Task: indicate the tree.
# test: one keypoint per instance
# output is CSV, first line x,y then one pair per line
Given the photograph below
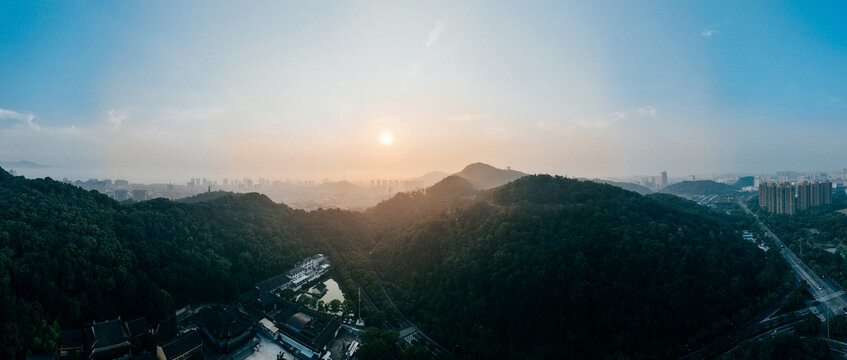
x,y
287,294
334,305
378,344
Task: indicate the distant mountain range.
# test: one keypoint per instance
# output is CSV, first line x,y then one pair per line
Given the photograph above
x,y
626,186
23,164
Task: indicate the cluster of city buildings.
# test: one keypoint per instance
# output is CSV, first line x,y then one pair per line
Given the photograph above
x,y
788,198
302,194
655,182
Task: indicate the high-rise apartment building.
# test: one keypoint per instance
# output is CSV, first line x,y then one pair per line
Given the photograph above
x,y
786,198
785,202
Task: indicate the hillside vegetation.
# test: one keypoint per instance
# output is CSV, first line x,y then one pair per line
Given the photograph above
x,y
591,270
69,256
539,267
699,187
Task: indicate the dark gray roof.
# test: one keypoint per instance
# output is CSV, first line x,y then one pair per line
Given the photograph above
x,y
226,324
181,344
307,327
249,296
108,333
272,283
138,326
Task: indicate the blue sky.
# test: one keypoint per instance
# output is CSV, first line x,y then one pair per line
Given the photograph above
x,y
169,90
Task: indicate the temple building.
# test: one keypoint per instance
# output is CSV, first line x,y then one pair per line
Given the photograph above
x,y
107,340
304,331
228,330
181,347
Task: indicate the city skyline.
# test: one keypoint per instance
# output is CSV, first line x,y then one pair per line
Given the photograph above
x,y
158,91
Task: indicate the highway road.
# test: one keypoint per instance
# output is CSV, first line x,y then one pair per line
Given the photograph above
x,y
826,292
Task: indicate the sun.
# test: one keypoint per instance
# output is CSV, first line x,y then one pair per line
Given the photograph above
x,y
386,138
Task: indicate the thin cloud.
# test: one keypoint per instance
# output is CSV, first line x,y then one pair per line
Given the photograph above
x,y
708,33
116,118
15,118
434,34
465,118
598,123
647,111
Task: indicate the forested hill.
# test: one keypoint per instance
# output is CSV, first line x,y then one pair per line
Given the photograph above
x,y
539,267
484,176
699,187
69,256
405,209
745,181
560,266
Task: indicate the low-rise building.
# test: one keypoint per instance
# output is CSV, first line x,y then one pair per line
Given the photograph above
x,y
71,342
180,347
309,269
228,330
305,331
137,328
269,328
107,340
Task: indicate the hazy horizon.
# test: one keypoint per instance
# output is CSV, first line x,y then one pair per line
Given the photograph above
x,y
162,91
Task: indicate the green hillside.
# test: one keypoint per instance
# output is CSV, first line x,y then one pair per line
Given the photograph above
x,y
699,187
69,256
559,266
533,269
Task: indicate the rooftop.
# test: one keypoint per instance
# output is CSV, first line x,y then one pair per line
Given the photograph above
x,y
181,344
299,321
226,324
108,333
138,326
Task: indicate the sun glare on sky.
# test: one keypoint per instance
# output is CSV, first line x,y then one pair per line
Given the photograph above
x,y
386,138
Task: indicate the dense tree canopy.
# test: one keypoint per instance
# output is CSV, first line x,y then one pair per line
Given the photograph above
x,y
68,256
536,268
579,268
699,187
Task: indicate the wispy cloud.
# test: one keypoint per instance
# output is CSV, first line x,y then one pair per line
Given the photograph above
x,y
708,33
434,34
15,119
116,118
599,123
465,118
648,110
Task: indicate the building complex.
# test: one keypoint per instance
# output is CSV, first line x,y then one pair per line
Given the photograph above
x,y
787,198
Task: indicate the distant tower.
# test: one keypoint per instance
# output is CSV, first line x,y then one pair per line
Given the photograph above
x,y
664,181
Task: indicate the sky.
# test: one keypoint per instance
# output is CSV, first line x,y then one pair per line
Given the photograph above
x,y
166,91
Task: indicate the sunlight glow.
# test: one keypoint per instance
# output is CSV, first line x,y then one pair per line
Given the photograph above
x,y
386,138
